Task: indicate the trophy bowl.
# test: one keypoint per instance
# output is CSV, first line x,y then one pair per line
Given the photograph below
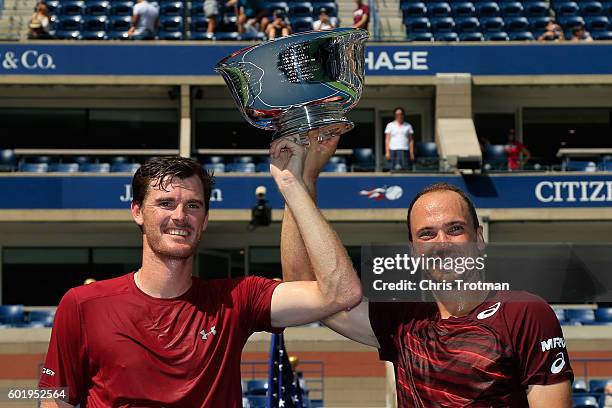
x,y
296,84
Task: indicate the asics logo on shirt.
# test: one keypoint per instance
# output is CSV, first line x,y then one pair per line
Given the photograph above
x,y
488,312
205,334
558,364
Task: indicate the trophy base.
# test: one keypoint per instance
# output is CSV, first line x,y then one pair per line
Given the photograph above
x,y
328,120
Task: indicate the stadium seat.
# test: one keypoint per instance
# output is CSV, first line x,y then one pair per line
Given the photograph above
x,y
471,37
40,159
521,36
171,24
597,386
446,37
169,35
414,10
199,24
580,315
243,159
120,23
579,387
54,6
538,24
566,9
597,23
256,401
426,154
602,35
272,6
511,9
420,37
233,36
467,24
570,22
330,6
93,35
44,317
214,167
438,9
171,8
8,160
78,159
301,24
536,9
213,159
117,35
300,9
442,24
95,168
487,9
11,314
262,168
256,387
560,313
121,8
603,314
335,168
418,25
34,167
337,159
125,167
516,24
97,7
463,9
73,8
252,36
95,23
579,165
64,167
197,9
590,8
69,23
240,167
495,155
363,159
492,24
584,401
607,8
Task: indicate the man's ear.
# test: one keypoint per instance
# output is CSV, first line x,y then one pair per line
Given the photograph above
x,y
205,223
480,241
136,209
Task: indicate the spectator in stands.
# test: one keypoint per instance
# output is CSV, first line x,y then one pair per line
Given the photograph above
x,y
361,15
579,34
399,143
553,32
211,11
325,22
279,27
145,21
514,150
40,22
607,402
250,13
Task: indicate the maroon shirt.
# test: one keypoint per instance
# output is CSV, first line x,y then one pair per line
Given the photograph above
x,y
113,345
359,12
484,359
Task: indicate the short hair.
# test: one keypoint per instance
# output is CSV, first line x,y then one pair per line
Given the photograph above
x,y
399,108
162,170
432,188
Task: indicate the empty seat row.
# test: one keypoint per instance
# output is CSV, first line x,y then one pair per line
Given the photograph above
x,y
76,167
302,8
470,9
16,316
601,315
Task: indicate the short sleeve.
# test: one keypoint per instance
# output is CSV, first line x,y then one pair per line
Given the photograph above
x,y
66,358
540,346
388,128
410,130
383,319
255,294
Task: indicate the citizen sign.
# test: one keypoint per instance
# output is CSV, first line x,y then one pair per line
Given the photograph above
x,y
573,191
29,59
397,61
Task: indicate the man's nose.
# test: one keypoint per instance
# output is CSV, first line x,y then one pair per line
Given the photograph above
x,y
179,213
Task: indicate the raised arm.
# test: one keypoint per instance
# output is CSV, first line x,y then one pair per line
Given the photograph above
x,y
354,324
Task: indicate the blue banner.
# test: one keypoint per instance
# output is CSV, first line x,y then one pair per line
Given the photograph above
x,y
190,59
335,192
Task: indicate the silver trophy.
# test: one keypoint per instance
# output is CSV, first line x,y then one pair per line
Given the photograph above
x,y
299,83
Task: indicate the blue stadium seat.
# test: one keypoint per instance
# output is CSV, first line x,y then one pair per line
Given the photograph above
x,y
417,36
427,150
54,6
272,6
95,168
233,36
97,7
64,167
125,167
584,401
495,155
34,167
560,313
580,315
602,35
597,386
257,401
78,159
171,24
8,160
579,165
335,168
579,387
487,9
171,8
301,24
463,9
262,168
467,24
197,9
199,24
566,8
117,35
418,25
337,159
45,317
538,24
11,314
121,8
446,36
213,159
607,8
590,8
515,24
521,36
536,9
95,23
330,6
363,159
471,37
597,23
119,160
492,24
442,24
120,23
605,165
40,159
603,314
69,23
511,9
252,36
300,9
438,9
93,35
243,159
241,167
414,10
73,8
214,167
169,35
568,23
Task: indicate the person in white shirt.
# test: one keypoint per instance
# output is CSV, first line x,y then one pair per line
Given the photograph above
x,y
325,22
399,143
145,21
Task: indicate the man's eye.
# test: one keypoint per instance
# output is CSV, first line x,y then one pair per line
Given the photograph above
x,y
426,234
164,204
455,229
194,205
